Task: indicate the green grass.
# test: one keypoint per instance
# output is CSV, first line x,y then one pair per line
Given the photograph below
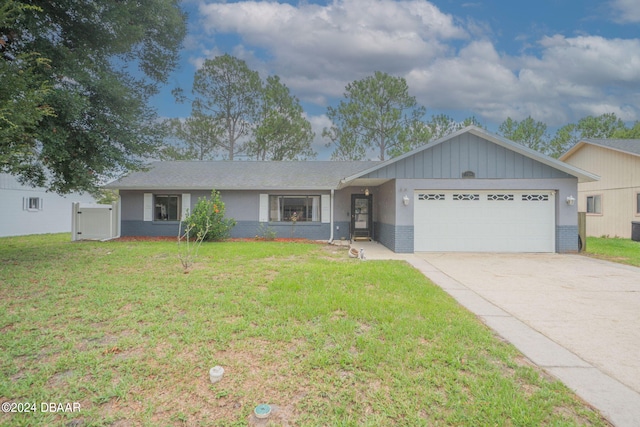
x,y
328,340
625,251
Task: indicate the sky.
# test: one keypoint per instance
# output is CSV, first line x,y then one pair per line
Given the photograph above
x,y
554,60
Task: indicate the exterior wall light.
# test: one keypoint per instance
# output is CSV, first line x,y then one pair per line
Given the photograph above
x,y
571,200
366,192
405,200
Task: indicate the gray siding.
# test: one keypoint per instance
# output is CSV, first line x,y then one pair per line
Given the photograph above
x,y
467,152
243,206
397,238
567,238
243,229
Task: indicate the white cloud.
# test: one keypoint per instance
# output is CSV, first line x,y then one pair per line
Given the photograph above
x,y
626,11
342,41
449,64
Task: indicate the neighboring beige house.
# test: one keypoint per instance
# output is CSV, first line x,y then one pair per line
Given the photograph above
x,y
613,202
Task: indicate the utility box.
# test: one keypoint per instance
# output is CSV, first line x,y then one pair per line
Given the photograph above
x,y
635,231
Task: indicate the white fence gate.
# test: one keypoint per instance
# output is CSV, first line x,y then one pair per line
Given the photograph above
x,y
95,222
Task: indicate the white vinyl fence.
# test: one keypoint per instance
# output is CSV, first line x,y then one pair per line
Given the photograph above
x,y
95,222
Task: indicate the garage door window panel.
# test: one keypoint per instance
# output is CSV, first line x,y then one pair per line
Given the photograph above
x,y
500,197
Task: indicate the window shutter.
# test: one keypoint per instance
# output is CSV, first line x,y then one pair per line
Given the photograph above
x,y
186,205
325,205
41,204
264,208
25,202
148,207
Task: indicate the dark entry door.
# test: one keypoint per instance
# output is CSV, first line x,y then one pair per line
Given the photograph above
x,y
361,216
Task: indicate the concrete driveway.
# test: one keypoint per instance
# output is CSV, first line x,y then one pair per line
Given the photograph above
x,y
576,317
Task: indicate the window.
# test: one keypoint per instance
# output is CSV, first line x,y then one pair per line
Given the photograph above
x,y
638,203
594,204
294,208
32,204
166,208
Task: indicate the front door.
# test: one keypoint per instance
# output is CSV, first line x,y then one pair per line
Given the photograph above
x,y
361,216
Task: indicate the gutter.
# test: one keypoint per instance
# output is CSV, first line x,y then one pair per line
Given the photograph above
x,y
331,214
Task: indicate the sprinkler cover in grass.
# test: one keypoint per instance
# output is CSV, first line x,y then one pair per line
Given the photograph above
x,y
262,411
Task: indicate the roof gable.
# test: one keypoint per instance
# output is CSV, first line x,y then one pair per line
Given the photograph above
x,y
627,146
476,150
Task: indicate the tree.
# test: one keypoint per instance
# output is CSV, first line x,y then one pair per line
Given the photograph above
x,y
378,114
600,127
528,132
227,95
233,112
565,138
628,133
282,131
442,125
200,135
88,70
22,97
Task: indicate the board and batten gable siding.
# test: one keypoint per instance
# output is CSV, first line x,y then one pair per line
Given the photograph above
x,y
467,152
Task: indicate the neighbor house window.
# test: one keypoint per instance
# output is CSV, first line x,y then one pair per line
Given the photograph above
x,y
32,204
294,208
166,208
594,204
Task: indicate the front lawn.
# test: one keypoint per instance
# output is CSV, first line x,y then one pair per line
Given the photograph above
x,y
118,328
625,251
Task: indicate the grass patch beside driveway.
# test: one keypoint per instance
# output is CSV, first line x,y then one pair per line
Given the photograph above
x,y
624,251
328,340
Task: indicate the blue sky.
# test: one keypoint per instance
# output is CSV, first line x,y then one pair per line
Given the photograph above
x,y
556,60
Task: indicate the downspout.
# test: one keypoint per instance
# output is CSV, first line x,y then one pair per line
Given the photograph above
x,y
331,215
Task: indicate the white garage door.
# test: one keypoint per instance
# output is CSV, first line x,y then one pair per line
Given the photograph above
x,y
484,221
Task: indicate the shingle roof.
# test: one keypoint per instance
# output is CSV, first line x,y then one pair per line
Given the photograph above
x,y
631,146
240,175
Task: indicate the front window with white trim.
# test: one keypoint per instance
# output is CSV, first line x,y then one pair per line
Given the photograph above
x,y
294,208
166,207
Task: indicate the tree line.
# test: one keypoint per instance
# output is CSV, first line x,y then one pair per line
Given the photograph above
x,y
77,78
234,114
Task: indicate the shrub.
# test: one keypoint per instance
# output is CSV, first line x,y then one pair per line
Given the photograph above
x,y
207,219
267,233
